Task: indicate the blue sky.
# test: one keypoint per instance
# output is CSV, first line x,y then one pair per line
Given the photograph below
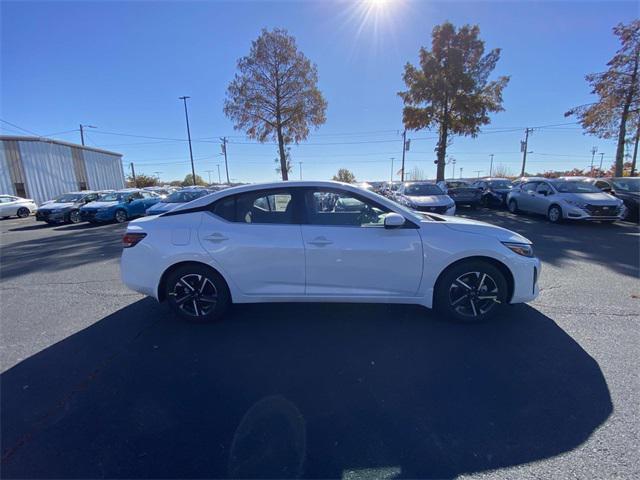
x,y
121,66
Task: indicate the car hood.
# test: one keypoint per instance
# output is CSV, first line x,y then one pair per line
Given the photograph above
x,y
428,199
54,205
481,228
596,198
102,204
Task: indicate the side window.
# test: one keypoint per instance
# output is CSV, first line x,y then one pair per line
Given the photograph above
x,y
530,187
274,207
543,189
602,185
327,207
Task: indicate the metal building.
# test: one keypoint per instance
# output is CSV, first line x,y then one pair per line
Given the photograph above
x,y
41,168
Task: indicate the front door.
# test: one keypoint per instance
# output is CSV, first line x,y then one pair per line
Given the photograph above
x,y
255,238
350,253
527,199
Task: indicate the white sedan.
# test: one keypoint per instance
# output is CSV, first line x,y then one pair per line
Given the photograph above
x,y
323,242
11,206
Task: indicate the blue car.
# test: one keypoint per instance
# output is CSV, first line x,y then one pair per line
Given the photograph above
x,y
118,206
176,198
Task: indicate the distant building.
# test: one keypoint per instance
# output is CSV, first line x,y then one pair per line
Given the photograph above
x,y
41,168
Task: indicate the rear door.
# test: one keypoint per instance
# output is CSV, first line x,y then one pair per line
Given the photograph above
x,y
543,198
255,238
350,253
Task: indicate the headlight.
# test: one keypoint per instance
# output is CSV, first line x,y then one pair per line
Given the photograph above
x,y
524,249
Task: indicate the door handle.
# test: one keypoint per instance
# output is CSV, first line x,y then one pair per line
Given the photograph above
x,y
320,242
216,237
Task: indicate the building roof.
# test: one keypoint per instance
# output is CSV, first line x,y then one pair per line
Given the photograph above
x,y
57,142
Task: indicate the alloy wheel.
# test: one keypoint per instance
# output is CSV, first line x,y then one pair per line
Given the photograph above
x,y
473,294
195,295
74,217
23,213
121,216
554,214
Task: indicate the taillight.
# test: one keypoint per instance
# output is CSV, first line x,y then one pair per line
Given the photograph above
x,y
132,239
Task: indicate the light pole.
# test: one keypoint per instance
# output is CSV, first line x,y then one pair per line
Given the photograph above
x,y
491,165
186,116
460,173
601,157
392,159
594,150
219,179
300,163
209,173
478,172
82,127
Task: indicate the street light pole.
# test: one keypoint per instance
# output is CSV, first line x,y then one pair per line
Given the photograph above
x,y
186,116
594,150
601,157
82,127
219,179
392,158
491,166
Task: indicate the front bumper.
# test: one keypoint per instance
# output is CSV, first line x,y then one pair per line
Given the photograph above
x,y
49,216
571,212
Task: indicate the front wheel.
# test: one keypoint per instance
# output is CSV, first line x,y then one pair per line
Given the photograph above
x,y
23,212
74,216
554,214
471,291
196,293
512,206
121,216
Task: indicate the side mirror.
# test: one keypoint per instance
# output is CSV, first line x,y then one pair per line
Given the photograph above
x,y
393,220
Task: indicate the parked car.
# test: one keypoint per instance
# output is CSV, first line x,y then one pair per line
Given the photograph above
x,y
389,189
461,192
65,208
494,191
162,192
626,189
229,247
425,197
565,200
118,206
176,198
12,206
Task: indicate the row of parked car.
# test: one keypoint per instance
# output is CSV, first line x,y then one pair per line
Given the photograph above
x,y
565,198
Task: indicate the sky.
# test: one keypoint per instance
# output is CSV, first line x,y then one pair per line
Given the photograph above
x,y
121,66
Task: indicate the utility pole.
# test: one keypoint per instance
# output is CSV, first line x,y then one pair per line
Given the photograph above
x,y
601,157
392,159
453,168
478,172
404,149
186,116
460,173
300,163
219,179
594,150
491,165
224,151
209,172
524,145
133,173
82,127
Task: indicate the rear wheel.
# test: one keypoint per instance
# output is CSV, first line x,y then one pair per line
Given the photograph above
x,y
196,293
23,212
121,216
74,216
471,291
512,206
554,214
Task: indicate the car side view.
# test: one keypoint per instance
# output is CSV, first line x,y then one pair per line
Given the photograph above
x,y
118,206
65,208
289,242
12,206
565,199
626,189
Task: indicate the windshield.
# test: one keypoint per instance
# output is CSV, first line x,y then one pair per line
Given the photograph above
x,y
500,184
420,189
183,197
627,184
576,187
68,198
112,197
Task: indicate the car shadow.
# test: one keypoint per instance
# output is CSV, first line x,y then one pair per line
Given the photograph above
x,y
611,245
312,390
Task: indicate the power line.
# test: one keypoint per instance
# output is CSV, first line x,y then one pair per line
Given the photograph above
x,y
20,128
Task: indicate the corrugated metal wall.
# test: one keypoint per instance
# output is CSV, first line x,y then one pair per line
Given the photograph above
x,y
47,169
103,171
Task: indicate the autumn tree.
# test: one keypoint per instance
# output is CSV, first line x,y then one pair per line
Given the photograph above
x,y
618,95
188,181
345,176
141,181
274,95
450,88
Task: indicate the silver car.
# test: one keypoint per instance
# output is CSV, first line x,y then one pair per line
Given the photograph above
x,y
565,199
425,197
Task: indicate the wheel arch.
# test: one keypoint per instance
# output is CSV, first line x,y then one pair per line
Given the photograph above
x,y
163,278
508,276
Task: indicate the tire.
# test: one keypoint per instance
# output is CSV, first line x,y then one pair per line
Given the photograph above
x,y
23,212
197,293
470,291
512,206
554,214
121,216
74,216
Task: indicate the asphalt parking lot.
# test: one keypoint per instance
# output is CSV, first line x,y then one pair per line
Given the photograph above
x,y
98,381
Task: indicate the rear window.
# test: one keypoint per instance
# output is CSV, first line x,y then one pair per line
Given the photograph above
x,y
256,207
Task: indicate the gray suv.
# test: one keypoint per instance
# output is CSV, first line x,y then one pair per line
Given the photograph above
x,y
565,200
